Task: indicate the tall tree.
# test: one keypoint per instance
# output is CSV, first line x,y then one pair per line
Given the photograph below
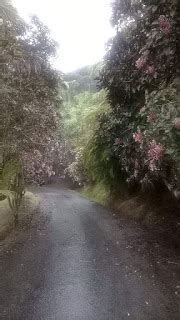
x,y
29,94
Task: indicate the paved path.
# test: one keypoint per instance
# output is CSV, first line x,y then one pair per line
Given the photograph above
x,y
78,261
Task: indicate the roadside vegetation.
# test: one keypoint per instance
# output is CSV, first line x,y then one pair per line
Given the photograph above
x,y
28,207
126,135
113,128
30,102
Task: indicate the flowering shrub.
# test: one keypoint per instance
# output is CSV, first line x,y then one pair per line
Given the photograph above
x,y
164,24
29,95
155,154
75,170
141,62
138,137
37,168
141,78
42,164
163,107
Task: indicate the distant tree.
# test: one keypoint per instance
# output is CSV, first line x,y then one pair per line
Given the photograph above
x,y
84,79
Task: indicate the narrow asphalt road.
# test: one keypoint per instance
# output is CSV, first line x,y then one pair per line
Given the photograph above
x,y
78,261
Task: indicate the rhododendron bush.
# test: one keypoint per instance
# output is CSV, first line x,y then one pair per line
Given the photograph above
x,y
141,77
160,119
30,127
75,170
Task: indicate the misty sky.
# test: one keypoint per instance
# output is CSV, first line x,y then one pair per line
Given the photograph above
x,y
81,27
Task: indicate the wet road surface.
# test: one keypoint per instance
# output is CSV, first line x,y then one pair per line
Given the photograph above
x,y
78,261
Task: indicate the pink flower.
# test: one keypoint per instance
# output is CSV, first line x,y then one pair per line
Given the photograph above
x,y
118,141
155,153
152,117
164,24
143,109
155,150
150,70
177,123
138,137
140,63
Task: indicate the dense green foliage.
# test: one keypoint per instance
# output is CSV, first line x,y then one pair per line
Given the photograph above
x,y
82,80
141,78
29,94
82,108
120,120
137,140
81,114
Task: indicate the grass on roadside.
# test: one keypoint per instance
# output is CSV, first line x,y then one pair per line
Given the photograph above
x,y
29,203
98,193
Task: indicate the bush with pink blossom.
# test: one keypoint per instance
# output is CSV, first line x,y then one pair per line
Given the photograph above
x,y
141,78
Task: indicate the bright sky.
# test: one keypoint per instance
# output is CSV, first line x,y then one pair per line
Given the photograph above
x,y
81,27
